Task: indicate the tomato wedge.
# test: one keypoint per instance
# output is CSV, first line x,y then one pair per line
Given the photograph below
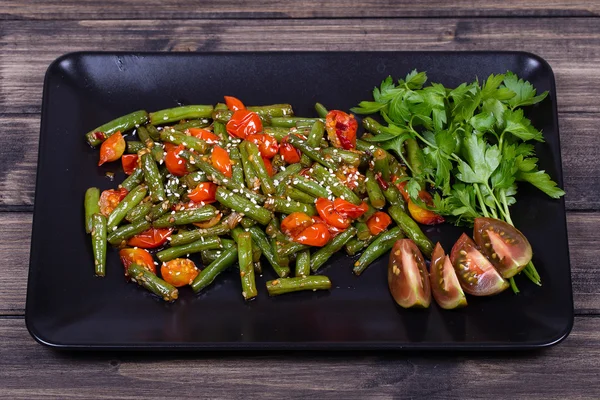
x,y
137,256
295,223
204,134
475,273
204,192
234,104
330,216
407,275
290,154
378,222
151,238
341,129
110,198
347,209
112,148
267,144
445,286
315,235
244,123
175,164
221,161
503,244
129,162
179,272
420,214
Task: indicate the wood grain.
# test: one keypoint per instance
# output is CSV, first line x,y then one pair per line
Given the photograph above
x,y
180,9
28,47
568,370
583,239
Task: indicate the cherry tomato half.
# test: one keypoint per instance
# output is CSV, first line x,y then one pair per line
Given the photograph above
x,y
290,154
234,104
137,256
221,161
112,148
420,214
151,238
378,222
179,272
267,144
175,164
347,209
315,235
341,129
329,215
129,162
204,192
295,223
205,135
244,123
109,199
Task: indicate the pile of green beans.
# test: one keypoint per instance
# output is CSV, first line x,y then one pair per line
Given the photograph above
x,y
242,225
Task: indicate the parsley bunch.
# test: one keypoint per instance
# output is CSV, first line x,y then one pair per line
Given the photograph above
x,y
476,143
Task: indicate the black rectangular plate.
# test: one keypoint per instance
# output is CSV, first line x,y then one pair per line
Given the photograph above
x,y
67,307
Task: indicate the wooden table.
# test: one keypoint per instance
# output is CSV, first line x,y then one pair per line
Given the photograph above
x,y
566,33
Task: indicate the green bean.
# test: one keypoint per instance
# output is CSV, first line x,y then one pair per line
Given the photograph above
x,y
363,232
320,174
190,142
414,156
289,171
186,237
303,263
185,217
221,115
237,170
277,132
382,165
158,152
133,146
173,189
133,180
121,124
243,205
153,132
411,230
247,222
221,106
216,176
246,268
158,210
355,245
343,156
321,256
227,243
205,243
370,211
220,130
292,248
374,191
153,283
382,244
139,211
98,232
209,256
208,274
259,237
194,123
178,113
125,232
314,153
257,267
393,196
193,179
252,180
290,122
144,136
289,285
287,207
256,251
321,110
91,206
272,110
273,230
299,195
316,134
281,260
153,178
258,164
372,126
309,186
133,198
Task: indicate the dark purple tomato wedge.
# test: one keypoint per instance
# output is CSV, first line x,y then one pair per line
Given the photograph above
x,y
407,275
445,286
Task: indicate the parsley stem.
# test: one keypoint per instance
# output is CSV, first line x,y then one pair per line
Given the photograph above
x,y
501,209
506,210
513,285
481,202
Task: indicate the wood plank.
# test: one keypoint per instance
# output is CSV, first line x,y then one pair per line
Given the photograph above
x,y
583,243
180,9
29,370
579,139
28,47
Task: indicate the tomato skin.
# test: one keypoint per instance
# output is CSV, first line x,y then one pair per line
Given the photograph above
x,y
204,192
110,198
234,104
315,235
445,286
420,214
138,256
503,244
290,154
179,272
378,222
112,148
347,209
129,162
244,123
408,279
268,166
221,161
330,216
267,144
175,164
295,223
204,134
341,129
151,238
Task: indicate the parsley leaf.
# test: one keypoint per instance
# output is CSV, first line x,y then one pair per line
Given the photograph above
x,y
525,93
520,126
542,181
481,160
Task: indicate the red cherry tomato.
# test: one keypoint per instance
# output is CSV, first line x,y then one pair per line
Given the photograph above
x,y
329,215
109,199
244,123
137,256
347,209
179,272
174,163
112,148
290,154
205,135
268,166
267,145
221,161
204,192
295,223
234,103
378,222
315,235
341,129
129,162
151,238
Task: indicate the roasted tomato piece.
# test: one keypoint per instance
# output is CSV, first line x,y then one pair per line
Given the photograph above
x,y
378,222
244,123
204,134
350,176
341,129
234,104
110,198
330,216
295,223
205,192
221,161
290,154
347,209
175,164
503,244
267,144
268,166
137,256
475,273
445,286
317,235
420,214
407,275
129,162
179,272
151,238
112,148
